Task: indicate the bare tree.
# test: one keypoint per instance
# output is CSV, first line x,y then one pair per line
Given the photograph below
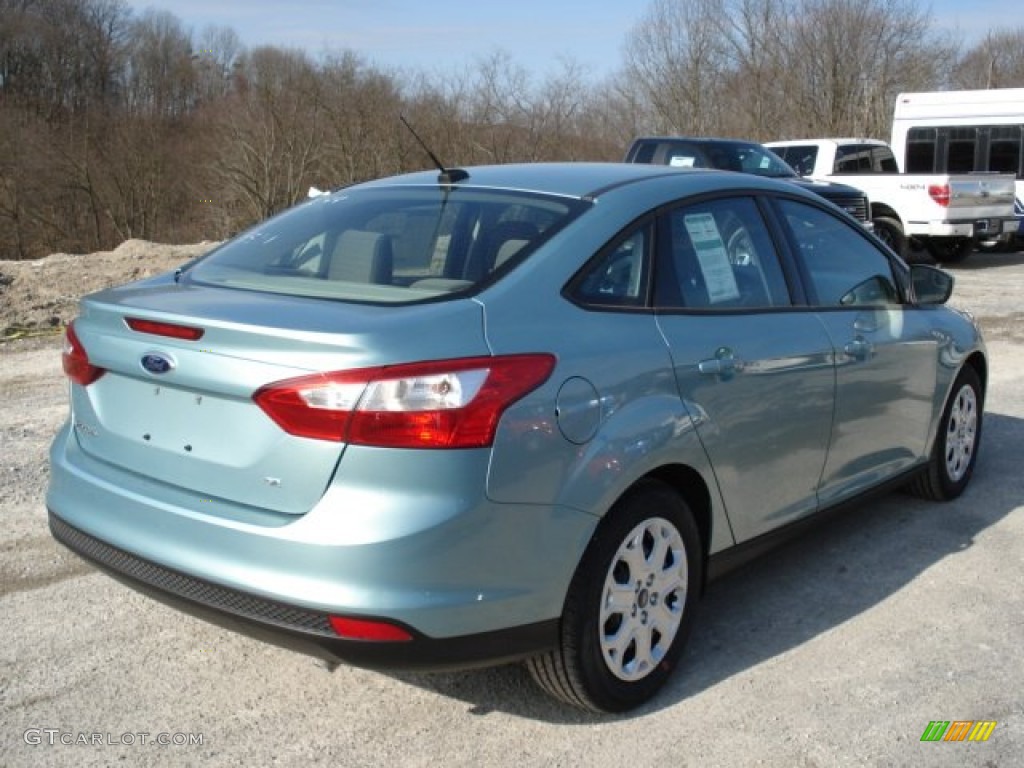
x,y
848,59
271,133
995,62
675,57
500,109
116,125
360,106
160,78
216,56
616,112
754,32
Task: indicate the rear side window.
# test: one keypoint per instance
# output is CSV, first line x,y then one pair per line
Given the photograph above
x,y
388,244
883,160
853,159
865,158
1004,149
921,150
961,150
800,156
619,276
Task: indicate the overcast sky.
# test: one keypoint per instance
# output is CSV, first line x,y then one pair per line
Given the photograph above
x,y
444,34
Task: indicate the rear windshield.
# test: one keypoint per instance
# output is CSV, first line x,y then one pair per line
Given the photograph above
x,y
388,244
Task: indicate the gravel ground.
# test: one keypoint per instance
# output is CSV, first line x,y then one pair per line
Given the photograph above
x,y
836,650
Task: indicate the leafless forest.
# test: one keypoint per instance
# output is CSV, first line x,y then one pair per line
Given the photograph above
x,y
117,125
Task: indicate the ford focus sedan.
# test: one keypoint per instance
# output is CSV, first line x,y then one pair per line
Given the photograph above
x,y
517,412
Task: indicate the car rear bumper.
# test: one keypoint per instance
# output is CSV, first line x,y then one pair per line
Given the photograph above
x,y
471,580
974,228
300,629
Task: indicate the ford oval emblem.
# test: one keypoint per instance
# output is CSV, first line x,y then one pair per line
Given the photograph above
x,y
156,363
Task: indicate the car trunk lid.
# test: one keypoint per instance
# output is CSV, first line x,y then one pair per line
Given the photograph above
x,y
181,411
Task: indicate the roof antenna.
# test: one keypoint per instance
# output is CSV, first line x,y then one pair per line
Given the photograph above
x,y
447,175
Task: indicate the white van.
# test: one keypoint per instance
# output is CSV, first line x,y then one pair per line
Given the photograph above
x,y
962,132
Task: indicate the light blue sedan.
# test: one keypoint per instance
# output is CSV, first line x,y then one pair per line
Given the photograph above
x,y
516,412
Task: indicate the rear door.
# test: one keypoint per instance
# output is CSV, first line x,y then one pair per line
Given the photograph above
x,y
754,370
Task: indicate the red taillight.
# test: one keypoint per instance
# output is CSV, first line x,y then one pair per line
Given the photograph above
x,y
363,629
76,361
940,194
441,404
172,330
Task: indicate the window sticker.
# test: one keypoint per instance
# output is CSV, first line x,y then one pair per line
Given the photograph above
x,y
679,161
713,259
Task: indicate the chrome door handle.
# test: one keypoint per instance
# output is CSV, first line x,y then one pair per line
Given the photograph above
x,y
715,367
859,349
723,364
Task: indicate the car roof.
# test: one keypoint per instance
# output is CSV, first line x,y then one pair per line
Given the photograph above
x,y
576,180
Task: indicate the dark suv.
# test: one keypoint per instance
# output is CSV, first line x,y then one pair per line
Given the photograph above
x,y
744,157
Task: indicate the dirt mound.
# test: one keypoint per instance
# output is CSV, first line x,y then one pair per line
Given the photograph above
x,y
36,296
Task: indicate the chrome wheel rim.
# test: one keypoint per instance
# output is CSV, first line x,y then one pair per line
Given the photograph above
x,y
643,599
961,433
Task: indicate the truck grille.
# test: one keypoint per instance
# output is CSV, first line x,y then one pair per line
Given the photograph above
x,y
855,206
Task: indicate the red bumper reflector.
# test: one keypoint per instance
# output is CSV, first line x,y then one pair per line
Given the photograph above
x,y
364,629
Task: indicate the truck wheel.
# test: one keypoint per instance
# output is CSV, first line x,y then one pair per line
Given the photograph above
x,y
949,250
890,232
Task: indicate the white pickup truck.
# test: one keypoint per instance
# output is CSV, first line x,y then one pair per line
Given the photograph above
x,y
948,214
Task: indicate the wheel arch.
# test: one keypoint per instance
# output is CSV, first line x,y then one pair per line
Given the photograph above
x,y
880,210
690,485
979,363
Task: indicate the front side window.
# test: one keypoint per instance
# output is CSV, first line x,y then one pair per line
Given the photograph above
x,y
720,256
388,244
844,268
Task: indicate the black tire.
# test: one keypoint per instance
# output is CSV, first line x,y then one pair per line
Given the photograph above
x,y
890,232
949,250
957,440
657,597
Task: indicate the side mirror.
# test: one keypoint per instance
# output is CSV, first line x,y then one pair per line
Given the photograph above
x,y
931,285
